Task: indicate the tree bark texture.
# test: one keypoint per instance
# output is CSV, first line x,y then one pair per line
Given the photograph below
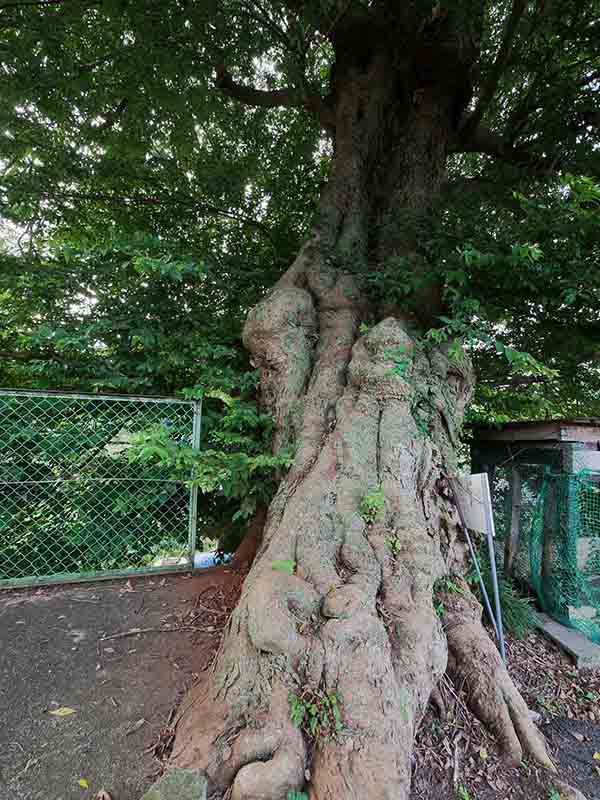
x,y
339,602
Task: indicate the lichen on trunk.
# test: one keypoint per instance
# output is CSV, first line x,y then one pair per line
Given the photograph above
x,y
332,654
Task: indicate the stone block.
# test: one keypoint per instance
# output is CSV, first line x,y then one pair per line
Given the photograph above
x,y
585,652
178,784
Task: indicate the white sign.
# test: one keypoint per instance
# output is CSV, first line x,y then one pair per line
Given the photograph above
x,y
473,497
586,459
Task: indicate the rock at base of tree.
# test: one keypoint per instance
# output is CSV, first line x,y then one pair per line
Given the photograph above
x,y
178,784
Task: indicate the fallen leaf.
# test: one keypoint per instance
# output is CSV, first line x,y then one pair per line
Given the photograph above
x,y
579,736
135,727
483,754
596,756
63,711
83,783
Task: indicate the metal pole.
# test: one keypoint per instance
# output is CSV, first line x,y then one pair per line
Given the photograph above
x,y
490,534
193,524
463,524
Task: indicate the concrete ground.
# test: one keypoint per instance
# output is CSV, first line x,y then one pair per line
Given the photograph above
x,y
122,689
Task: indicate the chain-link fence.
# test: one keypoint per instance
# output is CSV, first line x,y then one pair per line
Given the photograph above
x,y
74,504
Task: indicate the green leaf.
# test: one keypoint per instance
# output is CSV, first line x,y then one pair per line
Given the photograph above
x,y
285,565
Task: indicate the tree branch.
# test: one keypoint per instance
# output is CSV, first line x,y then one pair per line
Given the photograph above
x,y
39,3
515,381
111,117
153,200
25,356
324,21
276,98
489,87
482,188
256,97
485,141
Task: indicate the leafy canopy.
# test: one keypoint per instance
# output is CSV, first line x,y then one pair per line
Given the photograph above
x,y
160,163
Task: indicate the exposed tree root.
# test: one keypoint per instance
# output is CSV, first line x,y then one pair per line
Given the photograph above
x,y
475,665
356,618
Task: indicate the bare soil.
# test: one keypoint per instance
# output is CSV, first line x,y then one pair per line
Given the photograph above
x,y
56,651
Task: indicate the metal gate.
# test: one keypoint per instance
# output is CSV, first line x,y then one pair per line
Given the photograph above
x,y
74,505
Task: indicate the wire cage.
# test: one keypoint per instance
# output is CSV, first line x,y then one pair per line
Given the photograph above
x,y
564,545
558,550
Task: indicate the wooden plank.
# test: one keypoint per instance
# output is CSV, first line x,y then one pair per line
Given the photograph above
x,y
580,433
553,430
544,431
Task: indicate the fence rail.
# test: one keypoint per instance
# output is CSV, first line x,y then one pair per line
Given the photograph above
x,y
74,505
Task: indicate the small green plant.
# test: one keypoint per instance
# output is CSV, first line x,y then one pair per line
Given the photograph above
x,y
402,358
372,505
462,793
443,586
287,565
583,694
317,712
394,544
518,614
448,584
421,410
554,794
548,705
421,421
293,794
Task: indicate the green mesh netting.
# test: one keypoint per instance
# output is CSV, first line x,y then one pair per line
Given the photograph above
x,y
563,547
532,477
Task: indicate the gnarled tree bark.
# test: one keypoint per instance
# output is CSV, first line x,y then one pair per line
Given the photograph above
x,y
356,617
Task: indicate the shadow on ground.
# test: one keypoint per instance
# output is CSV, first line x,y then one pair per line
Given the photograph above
x,y
121,689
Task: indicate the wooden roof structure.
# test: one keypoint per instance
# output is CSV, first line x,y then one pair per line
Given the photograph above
x,y
565,444
579,429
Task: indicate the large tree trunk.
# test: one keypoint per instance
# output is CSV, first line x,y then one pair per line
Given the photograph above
x,y
338,607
